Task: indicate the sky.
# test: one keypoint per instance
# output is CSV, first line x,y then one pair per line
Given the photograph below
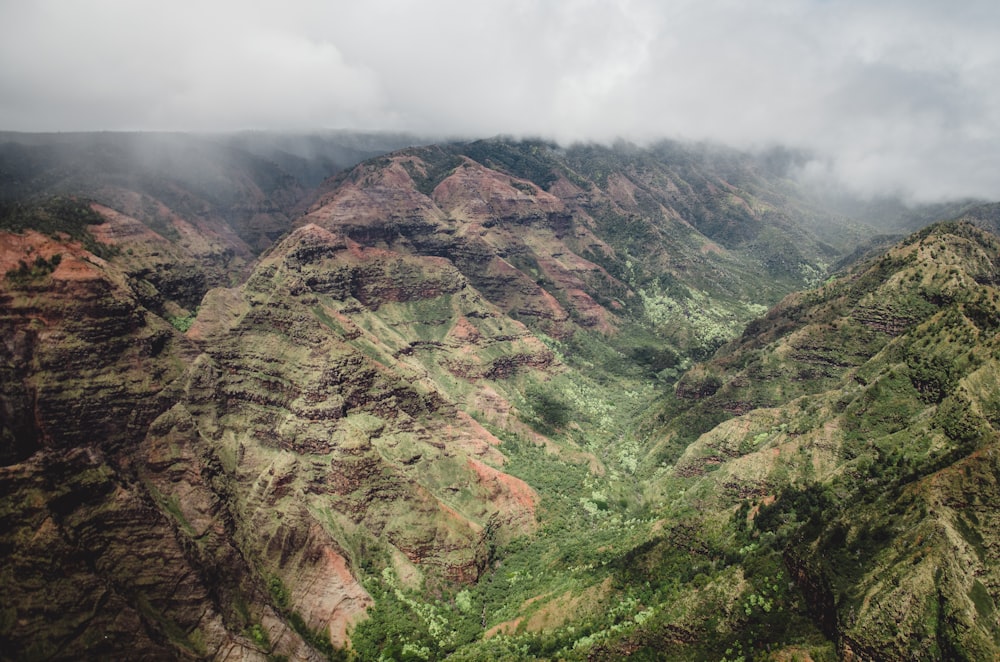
x,y
889,96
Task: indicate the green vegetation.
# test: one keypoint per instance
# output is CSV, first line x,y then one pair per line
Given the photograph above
x,y
259,636
182,322
38,269
437,165
899,404
552,413
56,216
529,160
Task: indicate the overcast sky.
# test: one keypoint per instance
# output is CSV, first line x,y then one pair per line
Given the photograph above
x,y
897,95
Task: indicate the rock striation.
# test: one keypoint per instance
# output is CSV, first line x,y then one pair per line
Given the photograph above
x,y
226,484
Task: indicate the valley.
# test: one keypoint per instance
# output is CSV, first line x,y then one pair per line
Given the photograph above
x,y
487,400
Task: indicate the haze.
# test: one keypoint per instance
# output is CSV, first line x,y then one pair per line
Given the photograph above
x,y
892,97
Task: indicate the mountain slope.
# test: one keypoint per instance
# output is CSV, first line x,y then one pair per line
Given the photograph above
x,y
865,448
819,489
188,212
590,237
277,446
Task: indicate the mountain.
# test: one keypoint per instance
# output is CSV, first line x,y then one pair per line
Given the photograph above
x,y
214,487
611,235
851,436
484,399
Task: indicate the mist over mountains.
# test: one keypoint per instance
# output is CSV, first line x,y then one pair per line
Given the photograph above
x,y
892,98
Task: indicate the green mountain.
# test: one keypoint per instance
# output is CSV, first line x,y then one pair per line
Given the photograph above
x,y
488,400
858,423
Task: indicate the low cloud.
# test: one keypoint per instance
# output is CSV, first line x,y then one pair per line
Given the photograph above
x,y
893,96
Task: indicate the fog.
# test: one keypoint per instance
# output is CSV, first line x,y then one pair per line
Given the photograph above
x,y
892,97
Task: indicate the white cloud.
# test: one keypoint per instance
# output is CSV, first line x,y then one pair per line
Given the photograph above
x,y
896,95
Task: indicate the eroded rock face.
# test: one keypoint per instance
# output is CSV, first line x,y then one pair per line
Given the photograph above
x,y
207,490
95,565
506,236
318,378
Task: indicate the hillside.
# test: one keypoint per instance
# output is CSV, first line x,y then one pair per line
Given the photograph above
x,y
857,425
606,236
479,400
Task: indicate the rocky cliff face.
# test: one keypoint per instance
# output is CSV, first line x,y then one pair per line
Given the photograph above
x,y
211,489
96,567
589,238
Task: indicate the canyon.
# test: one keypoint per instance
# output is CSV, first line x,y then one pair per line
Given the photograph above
x,y
483,400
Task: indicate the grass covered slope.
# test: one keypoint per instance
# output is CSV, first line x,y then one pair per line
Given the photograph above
x,y
861,452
